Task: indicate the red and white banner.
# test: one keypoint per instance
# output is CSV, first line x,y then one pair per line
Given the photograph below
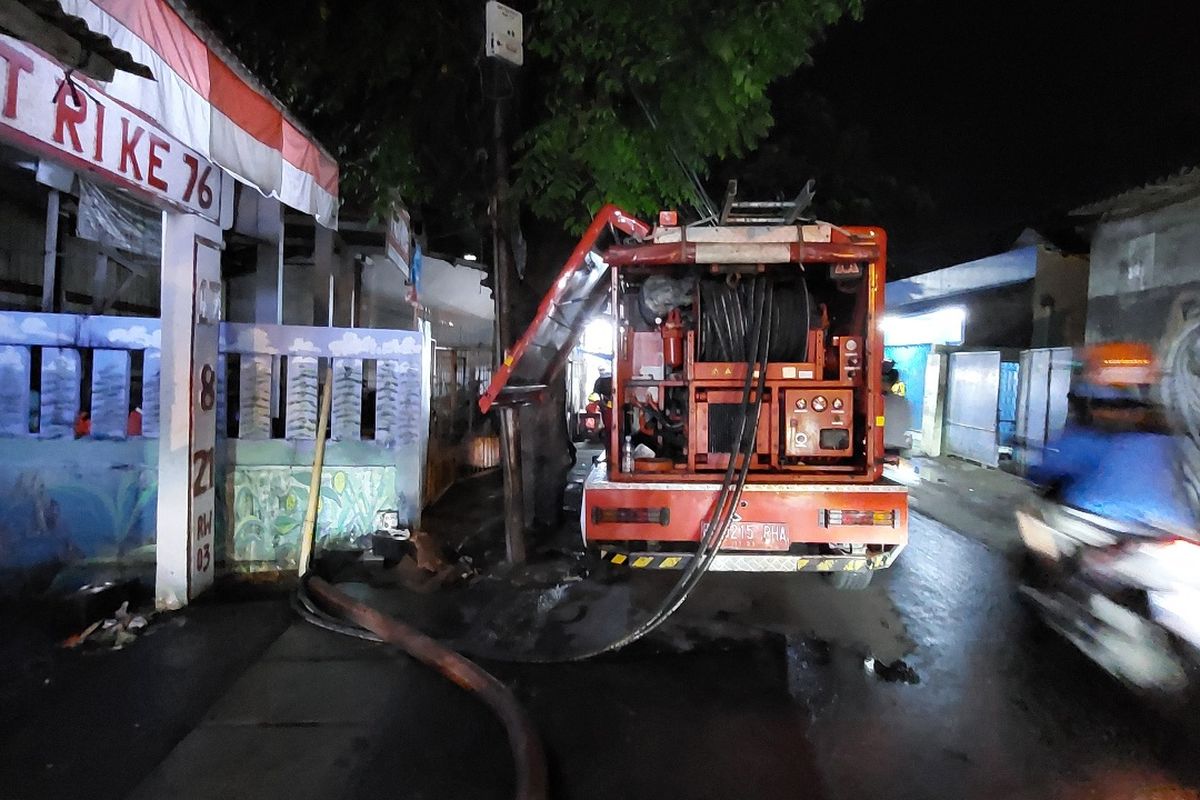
x,y
78,124
202,97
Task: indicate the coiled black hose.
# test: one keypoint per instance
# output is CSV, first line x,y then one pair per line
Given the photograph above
x,y
725,310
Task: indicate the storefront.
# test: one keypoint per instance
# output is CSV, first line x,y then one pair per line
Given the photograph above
x,y
117,199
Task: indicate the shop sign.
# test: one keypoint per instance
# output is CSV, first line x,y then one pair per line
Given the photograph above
x,y
72,121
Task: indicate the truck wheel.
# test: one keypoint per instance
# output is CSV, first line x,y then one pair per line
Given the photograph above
x,y
850,581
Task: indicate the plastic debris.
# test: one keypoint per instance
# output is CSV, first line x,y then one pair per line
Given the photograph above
x,y
115,632
428,552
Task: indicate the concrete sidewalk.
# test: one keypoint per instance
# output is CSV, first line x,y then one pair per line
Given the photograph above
x,y
302,722
977,502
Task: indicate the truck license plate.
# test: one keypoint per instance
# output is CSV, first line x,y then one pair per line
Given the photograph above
x,y
745,535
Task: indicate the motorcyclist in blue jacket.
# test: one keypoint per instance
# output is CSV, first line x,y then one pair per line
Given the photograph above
x,y
1117,457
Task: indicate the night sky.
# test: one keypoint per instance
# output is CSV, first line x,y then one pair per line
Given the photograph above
x,y
1008,113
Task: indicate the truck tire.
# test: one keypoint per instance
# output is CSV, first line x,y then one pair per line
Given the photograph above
x,y
850,581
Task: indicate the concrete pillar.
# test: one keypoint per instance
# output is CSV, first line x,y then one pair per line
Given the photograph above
x,y
934,403
322,276
268,277
100,283
50,252
191,313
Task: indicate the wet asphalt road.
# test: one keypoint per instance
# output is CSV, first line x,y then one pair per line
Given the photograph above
x,y
756,689
1003,709
1000,709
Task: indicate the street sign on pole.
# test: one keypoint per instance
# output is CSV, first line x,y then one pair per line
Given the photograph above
x,y
505,36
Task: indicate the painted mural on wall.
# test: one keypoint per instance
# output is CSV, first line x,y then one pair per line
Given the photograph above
x,y
269,505
267,496
69,500
64,499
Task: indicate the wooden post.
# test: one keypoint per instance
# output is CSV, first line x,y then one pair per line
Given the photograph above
x,y
50,252
322,276
510,428
344,269
268,274
514,485
308,531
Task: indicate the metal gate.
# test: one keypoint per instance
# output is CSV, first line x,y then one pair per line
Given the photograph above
x,y
1041,401
973,394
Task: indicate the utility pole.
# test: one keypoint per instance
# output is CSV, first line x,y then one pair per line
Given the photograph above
x,y
503,42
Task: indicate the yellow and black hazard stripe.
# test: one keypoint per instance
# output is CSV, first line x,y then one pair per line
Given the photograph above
x,y
742,561
646,560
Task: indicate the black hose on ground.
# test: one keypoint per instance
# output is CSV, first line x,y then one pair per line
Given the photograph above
x,y
729,495
528,755
731,487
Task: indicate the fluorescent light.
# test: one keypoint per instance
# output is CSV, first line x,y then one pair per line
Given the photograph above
x,y
598,335
941,326
470,257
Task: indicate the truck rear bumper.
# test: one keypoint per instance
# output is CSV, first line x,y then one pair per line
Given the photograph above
x,y
658,525
755,562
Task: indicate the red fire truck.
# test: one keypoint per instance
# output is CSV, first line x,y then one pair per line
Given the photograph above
x,y
748,396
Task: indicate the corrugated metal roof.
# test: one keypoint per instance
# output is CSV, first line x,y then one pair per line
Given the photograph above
x,y
93,45
1183,185
1003,269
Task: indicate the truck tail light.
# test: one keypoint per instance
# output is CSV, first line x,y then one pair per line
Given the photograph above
x,y
833,517
655,515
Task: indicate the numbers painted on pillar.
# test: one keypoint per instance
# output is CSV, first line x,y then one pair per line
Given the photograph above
x,y
208,302
208,388
203,557
202,472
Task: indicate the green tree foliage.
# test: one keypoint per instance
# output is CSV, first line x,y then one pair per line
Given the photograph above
x,y
642,93
618,100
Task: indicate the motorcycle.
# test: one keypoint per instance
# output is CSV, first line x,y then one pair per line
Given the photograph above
x,y
1127,596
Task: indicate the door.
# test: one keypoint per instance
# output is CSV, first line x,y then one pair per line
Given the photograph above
x,y
1045,379
973,394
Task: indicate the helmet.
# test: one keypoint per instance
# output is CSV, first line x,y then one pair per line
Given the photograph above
x,y
593,398
1117,371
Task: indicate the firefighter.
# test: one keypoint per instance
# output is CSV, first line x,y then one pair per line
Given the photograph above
x,y
1117,456
893,381
603,390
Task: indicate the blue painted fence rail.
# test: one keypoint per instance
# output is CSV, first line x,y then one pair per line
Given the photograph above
x,y
107,492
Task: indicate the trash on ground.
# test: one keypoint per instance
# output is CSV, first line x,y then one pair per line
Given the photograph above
x,y
428,552
115,632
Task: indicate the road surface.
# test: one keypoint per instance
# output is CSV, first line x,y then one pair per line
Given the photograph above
x,y
998,710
